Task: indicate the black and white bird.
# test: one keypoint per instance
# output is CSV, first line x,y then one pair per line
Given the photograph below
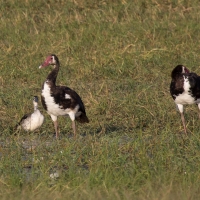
x,y
61,100
184,89
32,121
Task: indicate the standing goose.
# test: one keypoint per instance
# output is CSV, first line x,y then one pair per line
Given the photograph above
x,y
61,100
184,89
32,121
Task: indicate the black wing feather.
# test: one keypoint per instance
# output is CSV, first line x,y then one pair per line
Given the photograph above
x,y
194,81
59,96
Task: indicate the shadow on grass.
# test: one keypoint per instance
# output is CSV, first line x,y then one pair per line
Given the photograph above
x,y
109,130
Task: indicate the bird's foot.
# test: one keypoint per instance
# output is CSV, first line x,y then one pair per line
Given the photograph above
x,y
55,136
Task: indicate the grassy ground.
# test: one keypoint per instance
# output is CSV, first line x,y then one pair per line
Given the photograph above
x,y
118,55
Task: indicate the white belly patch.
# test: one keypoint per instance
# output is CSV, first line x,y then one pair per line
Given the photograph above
x,y
33,122
186,97
52,107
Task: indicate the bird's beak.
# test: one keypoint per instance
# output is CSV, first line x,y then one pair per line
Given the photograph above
x,y
45,64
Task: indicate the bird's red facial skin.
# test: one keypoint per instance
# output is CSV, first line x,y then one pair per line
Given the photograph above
x,y
46,62
186,70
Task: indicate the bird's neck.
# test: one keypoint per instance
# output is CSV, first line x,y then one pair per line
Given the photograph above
x,y
176,76
35,106
53,74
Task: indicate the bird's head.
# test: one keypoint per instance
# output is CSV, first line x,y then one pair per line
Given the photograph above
x,y
50,60
179,69
35,99
35,102
185,70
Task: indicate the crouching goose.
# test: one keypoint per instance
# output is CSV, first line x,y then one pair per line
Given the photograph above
x,y
61,100
32,121
184,89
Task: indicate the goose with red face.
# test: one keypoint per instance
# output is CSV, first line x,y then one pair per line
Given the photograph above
x,y
61,100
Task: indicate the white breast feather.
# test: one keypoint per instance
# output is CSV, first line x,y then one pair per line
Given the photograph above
x,y
52,107
34,121
185,97
67,96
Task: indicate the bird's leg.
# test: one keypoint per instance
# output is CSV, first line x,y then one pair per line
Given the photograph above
x,y
55,122
74,128
180,108
56,128
72,117
199,109
183,121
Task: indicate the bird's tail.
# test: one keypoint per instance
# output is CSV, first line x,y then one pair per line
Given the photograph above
x,y
82,118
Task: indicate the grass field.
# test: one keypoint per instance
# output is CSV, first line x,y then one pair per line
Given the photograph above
x,y
118,55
